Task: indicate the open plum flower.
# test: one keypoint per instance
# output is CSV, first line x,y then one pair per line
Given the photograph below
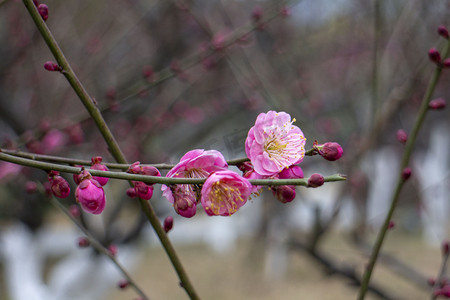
x,y
224,192
274,143
196,163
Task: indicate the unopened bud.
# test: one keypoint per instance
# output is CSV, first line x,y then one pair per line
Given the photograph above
x,y
434,55
402,136
168,223
406,173
284,193
437,104
31,187
446,63
147,72
112,249
391,224
445,248
315,180
443,32
131,192
59,186
97,165
143,190
431,281
51,66
83,242
330,151
123,283
293,172
43,11
257,13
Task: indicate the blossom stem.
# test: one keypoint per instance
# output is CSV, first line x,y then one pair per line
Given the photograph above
x,y
400,181
149,179
113,146
99,247
441,275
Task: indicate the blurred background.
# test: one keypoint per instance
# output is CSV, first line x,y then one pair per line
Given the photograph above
x,y
172,76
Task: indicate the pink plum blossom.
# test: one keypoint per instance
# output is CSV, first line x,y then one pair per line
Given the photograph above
x,y
196,163
224,192
274,143
90,194
59,186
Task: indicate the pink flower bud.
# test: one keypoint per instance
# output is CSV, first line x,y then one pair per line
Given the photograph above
x,y
131,192
402,136
391,224
36,3
112,249
406,173
315,180
434,55
51,66
43,11
59,186
136,168
443,31
446,63
185,207
90,194
284,193
293,172
445,248
83,242
168,223
330,151
148,73
257,13
437,104
31,187
431,281
143,190
74,211
96,165
123,283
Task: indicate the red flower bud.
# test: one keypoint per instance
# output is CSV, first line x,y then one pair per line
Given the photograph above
x,y
51,66
434,55
402,136
143,190
59,186
330,151
437,104
431,281
168,223
315,180
43,11
83,242
445,248
148,73
131,192
293,172
90,194
443,31
446,63
284,193
391,224
123,283
406,173
112,249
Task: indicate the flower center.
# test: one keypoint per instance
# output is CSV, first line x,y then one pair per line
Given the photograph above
x,y
224,198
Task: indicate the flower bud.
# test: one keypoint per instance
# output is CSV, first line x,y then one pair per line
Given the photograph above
x,y
31,187
112,249
148,73
406,173
123,283
443,32
330,151
402,136
168,223
59,186
445,248
143,190
293,172
96,165
185,207
446,63
51,66
315,180
391,224
131,192
257,13
43,11
245,167
437,104
431,281
434,55
83,242
74,211
90,194
284,193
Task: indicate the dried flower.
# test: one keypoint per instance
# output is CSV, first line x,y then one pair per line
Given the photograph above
x,y
224,192
90,194
274,143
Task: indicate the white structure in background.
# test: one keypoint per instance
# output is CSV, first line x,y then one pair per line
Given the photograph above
x,y
79,275
432,170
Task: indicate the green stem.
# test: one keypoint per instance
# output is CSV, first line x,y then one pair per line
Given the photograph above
x,y
149,179
106,133
400,181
